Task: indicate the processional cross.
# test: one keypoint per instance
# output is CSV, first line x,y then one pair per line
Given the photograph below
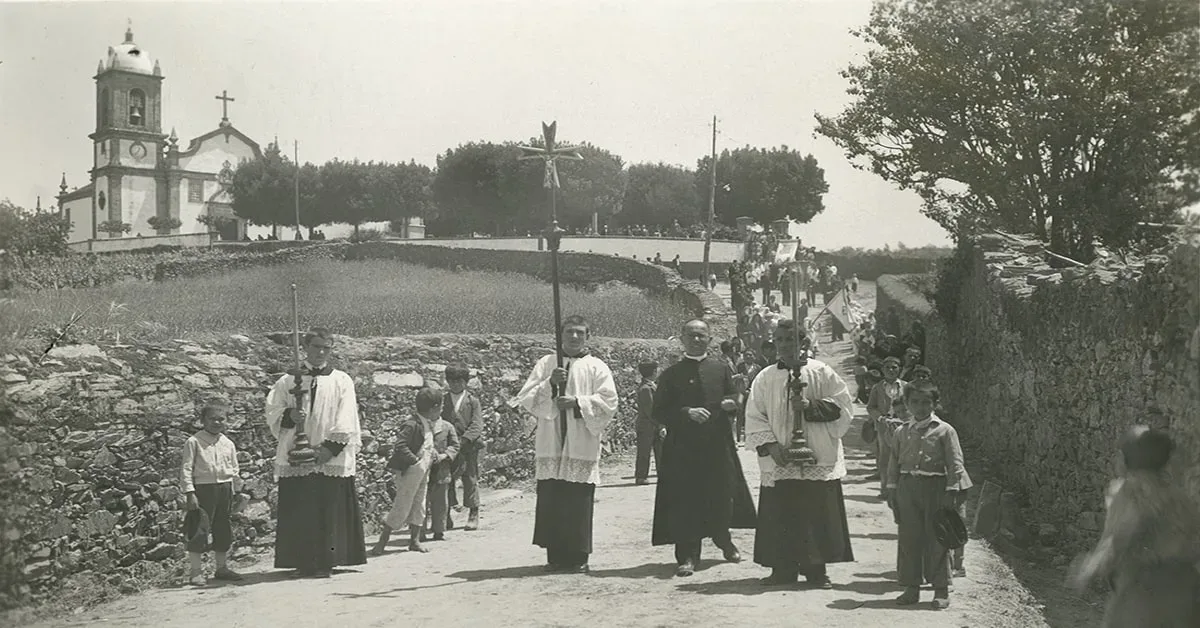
x,y
551,153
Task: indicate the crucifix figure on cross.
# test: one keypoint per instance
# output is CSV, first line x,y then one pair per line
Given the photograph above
x,y
225,100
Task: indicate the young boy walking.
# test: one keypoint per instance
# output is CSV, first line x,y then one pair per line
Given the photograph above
x,y
879,403
411,460
926,474
445,450
463,410
649,433
210,468
1149,550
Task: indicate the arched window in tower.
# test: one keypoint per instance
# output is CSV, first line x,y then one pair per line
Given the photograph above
x,y
137,107
105,111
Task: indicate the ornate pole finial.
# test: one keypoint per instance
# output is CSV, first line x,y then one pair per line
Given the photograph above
x,y
62,187
129,30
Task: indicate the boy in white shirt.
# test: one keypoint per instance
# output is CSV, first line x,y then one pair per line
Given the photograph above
x,y
209,470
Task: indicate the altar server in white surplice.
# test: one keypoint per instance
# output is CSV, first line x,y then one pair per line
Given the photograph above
x,y
567,444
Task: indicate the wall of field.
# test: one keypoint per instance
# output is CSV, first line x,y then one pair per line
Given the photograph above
x,y
1043,368
90,438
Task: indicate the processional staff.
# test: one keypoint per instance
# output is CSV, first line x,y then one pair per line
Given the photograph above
x,y
550,153
302,452
798,452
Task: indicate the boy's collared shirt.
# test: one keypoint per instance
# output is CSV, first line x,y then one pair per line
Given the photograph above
x,y
208,459
928,448
645,401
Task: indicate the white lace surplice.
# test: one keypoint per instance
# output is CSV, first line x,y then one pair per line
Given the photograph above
x,y
769,420
591,382
334,417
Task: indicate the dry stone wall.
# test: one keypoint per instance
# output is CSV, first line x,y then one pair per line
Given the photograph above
x,y
90,438
1042,368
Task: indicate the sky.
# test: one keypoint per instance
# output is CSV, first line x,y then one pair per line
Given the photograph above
x,y
406,80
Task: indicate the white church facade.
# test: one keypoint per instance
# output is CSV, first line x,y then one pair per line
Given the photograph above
x,y
140,177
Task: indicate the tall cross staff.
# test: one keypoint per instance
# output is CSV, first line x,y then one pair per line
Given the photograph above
x,y
550,153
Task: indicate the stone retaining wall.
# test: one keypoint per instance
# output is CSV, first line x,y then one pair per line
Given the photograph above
x,y
90,438
1042,368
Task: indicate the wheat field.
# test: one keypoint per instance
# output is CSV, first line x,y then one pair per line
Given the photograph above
x,y
361,298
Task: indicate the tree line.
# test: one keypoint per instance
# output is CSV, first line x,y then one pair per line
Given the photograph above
x,y
482,187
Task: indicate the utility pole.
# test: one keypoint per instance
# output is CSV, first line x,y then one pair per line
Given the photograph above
x,y
296,156
712,203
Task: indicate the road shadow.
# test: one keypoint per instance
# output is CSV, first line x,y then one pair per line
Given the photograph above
x,y
886,575
253,578
870,587
625,485
658,571
744,586
395,591
853,605
866,499
507,573
878,536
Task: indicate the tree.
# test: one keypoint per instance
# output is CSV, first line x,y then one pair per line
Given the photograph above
x,y
401,190
595,185
114,227
484,187
1069,119
345,192
764,184
164,224
660,195
264,190
467,189
24,233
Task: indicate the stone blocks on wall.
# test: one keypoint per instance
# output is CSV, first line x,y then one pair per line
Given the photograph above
x,y
1043,368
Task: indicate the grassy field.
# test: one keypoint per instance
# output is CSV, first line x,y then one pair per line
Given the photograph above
x,y
370,298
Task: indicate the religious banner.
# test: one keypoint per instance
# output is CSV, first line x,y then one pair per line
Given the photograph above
x,y
786,251
846,311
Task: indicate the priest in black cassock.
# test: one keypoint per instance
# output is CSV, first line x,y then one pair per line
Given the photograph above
x,y
701,491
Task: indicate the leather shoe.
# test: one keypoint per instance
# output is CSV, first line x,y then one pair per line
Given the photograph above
x,y
578,568
779,579
685,569
732,555
820,582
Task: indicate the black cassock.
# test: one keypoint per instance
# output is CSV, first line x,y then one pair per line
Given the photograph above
x,y
701,490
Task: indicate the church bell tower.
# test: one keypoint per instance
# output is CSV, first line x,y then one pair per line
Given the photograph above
x,y
128,142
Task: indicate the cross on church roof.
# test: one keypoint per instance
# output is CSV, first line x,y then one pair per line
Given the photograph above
x,y
225,100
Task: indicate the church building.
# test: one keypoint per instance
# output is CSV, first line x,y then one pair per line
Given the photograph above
x,y
140,177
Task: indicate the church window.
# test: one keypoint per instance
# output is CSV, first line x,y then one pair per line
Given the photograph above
x,y
105,118
137,107
101,200
195,190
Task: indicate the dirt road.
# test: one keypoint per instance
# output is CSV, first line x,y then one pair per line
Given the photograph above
x,y
494,577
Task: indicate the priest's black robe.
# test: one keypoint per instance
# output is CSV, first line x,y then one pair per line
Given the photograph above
x,y
701,492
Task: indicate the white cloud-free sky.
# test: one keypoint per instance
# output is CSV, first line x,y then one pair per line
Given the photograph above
x,y
406,80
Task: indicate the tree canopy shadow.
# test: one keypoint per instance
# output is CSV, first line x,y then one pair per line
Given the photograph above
x,y
506,573
744,586
853,605
658,571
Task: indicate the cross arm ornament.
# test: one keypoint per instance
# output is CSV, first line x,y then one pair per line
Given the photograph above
x,y
550,153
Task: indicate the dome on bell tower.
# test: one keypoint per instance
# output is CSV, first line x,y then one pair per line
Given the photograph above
x,y
130,57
